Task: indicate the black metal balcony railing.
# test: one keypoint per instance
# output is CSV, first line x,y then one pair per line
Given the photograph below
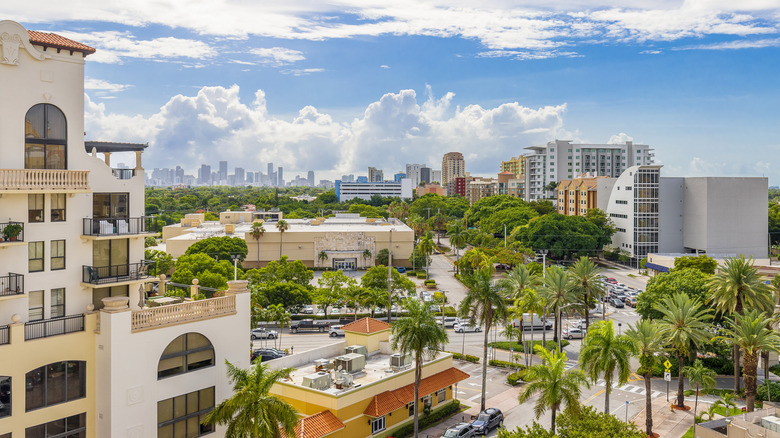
x,y
11,284
5,335
53,327
116,273
19,237
118,226
123,173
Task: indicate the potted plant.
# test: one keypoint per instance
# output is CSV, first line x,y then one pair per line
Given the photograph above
x,y
12,231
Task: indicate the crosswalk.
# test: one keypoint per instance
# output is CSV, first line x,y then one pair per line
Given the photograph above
x,y
629,388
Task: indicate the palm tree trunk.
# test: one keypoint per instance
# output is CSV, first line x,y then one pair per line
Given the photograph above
x,y
680,386
751,365
281,236
607,391
529,360
552,420
560,333
695,408
417,378
736,367
648,405
585,311
544,329
484,365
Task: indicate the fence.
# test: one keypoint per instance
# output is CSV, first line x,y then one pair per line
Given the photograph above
x,y
53,327
5,335
117,226
11,284
185,312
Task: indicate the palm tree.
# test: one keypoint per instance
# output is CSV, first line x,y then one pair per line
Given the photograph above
x,y
603,353
532,303
373,298
485,304
322,256
251,411
457,235
367,254
282,226
586,280
554,384
735,287
518,280
511,332
437,223
416,223
684,323
751,333
257,231
646,336
418,334
426,247
700,376
558,294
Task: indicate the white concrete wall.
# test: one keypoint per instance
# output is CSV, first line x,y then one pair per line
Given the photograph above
x,y
623,240
670,215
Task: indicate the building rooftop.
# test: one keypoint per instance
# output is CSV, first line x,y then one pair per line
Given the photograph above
x,y
58,42
109,146
318,425
366,326
389,401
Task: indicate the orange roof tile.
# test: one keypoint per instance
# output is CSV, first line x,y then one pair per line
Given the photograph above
x,y
58,42
389,401
318,425
366,326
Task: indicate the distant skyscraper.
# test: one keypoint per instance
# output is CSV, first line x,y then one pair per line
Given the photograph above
x,y
425,175
240,177
271,175
310,178
204,174
280,177
178,177
452,166
375,175
250,177
348,178
223,171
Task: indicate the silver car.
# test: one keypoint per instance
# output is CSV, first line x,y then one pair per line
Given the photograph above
x,y
464,328
335,331
574,333
262,333
460,430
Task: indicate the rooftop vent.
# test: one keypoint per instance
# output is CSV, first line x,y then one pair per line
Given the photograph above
x,y
351,363
400,361
320,380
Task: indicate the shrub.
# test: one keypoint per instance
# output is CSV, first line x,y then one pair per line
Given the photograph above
x,y
420,275
411,273
505,364
516,346
774,391
466,357
516,377
775,369
425,421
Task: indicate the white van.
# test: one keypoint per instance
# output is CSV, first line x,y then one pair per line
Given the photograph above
x,y
532,320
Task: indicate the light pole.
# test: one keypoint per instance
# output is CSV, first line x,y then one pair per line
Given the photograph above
x,y
620,324
235,258
389,279
504,236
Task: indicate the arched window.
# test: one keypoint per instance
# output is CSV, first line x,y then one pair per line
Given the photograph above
x,y
188,352
45,138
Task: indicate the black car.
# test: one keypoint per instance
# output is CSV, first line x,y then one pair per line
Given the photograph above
x,y
486,420
266,354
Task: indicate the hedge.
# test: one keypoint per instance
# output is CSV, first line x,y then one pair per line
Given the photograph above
x,y
774,391
421,275
775,369
411,273
518,348
505,364
466,357
513,378
426,421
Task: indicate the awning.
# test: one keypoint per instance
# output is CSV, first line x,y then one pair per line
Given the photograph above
x,y
655,267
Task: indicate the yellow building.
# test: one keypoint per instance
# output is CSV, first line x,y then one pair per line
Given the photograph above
x,y
346,241
515,165
577,196
372,395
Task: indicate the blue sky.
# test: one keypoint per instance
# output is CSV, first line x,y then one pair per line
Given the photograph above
x,y
341,86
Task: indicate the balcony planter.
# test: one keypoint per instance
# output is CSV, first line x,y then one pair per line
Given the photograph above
x,y
11,232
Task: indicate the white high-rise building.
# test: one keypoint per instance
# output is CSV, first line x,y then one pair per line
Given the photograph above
x,y
561,159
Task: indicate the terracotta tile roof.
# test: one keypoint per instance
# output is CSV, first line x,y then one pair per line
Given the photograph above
x,y
318,425
389,401
366,326
58,42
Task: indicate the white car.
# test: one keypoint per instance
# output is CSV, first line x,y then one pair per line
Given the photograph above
x,y
335,330
464,328
262,333
574,333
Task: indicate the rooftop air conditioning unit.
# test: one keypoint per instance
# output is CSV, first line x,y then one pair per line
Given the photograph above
x,y
351,363
320,380
400,361
321,365
357,349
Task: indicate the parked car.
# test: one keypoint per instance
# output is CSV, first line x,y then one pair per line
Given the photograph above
x,y
503,267
266,354
308,310
465,328
630,302
574,333
262,333
486,420
309,325
449,321
460,430
335,330
611,281
617,303
400,269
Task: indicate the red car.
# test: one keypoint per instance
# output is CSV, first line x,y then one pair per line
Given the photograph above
x,y
611,281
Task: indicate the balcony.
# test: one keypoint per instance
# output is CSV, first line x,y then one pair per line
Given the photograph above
x,y
11,285
126,274
18,240
53,327
5,335
44,180
175,314
115,227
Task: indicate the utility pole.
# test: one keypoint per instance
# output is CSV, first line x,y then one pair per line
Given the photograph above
x,y
504,236
389,277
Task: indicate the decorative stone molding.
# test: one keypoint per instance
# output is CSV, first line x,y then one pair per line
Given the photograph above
x,y
12,37
236,287
116,304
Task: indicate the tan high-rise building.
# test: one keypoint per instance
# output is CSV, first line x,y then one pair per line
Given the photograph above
x,y
452,166
577,196
516,165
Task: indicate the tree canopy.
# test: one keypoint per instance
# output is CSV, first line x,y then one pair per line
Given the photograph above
x,y
701,262
221,248
588,424
562,235
691,282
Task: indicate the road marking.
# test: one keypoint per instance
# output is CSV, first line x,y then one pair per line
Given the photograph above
x,y
474,397
594,396
629,388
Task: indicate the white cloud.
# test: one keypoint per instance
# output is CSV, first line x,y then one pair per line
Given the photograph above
x,y
277,56
302,71
101,85
384,66
215,125
620,138
113,46
736,45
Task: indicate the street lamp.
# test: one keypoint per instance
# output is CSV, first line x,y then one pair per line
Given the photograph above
x,y
620,324
235,258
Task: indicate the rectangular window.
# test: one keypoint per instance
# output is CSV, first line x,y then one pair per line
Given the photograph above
x,y
58,302
442,395
182,416
411,408
57,255
55,383
35,256
5,398
70,427
35,305
58,207
377,425
110,205
35,208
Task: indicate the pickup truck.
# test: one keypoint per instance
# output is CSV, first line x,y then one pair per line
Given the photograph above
x,y
309,325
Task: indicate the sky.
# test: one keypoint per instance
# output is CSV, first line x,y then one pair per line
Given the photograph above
x,y
338,86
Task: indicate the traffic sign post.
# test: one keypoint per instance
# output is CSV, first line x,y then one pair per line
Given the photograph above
x,y
667,376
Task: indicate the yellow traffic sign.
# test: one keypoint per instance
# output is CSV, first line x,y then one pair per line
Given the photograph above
x,y
667,364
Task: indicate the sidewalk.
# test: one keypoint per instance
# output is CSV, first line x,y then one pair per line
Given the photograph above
x,y
668,423
504,401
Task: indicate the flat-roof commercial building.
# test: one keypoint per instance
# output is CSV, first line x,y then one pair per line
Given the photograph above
x,y
361,387
346,191
346,241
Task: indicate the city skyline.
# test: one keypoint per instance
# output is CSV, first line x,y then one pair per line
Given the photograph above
x,y
333,87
